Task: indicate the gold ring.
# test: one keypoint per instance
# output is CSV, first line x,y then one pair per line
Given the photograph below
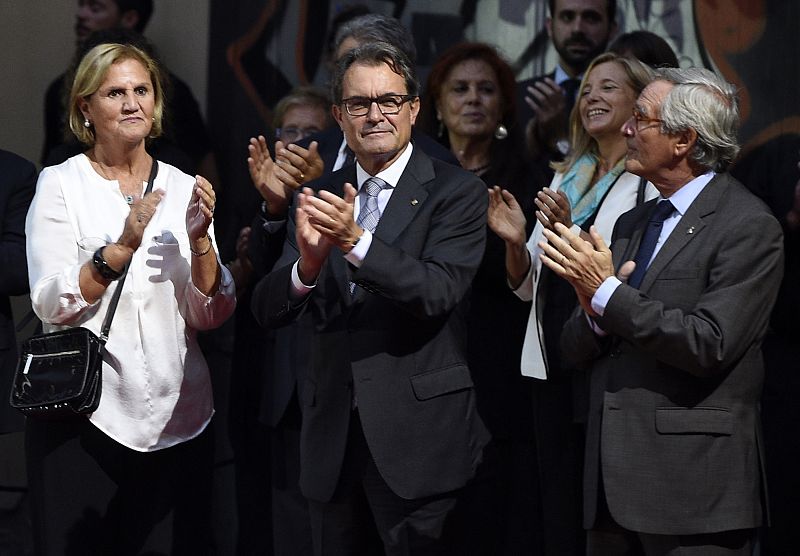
x,y
302,176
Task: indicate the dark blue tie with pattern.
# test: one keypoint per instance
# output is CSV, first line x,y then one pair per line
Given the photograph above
x,y
662,211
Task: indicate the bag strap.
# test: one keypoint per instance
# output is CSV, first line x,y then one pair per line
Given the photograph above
x,y
112,306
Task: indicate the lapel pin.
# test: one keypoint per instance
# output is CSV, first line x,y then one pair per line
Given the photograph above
x,y
414,202
690,230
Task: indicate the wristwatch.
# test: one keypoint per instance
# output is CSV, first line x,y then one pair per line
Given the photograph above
x,y
102,266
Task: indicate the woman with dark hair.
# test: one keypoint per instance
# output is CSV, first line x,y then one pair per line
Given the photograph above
x,y
646,47
469,106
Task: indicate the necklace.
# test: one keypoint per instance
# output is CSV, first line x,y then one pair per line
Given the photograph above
x,y
479,169
128,198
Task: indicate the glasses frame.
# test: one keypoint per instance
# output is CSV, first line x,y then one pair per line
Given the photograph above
x,y
300,132
376,100
638,120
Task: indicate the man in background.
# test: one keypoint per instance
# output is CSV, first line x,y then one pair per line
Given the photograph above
x,y
185,142
579,30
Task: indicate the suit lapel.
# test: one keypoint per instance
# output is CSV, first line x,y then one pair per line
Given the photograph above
x,y
407,199
625,246
689,227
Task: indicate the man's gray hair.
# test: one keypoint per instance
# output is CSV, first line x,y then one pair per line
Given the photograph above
x,y
377,28
702,101
374,54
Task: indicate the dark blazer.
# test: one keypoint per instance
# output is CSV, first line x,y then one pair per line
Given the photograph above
x,y
283,362
398,344
17,185
673,424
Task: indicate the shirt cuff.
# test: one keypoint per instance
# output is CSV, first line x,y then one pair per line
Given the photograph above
x,y
299,289
357,254
603,294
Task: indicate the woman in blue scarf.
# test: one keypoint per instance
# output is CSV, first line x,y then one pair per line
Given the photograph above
x,y
590,187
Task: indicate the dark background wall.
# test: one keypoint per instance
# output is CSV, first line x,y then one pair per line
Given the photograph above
x,y
259,49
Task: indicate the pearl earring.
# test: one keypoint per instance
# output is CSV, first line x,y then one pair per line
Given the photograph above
x,y
501,132
87,124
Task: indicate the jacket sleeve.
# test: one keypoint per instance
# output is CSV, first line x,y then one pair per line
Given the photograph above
x,y
705,333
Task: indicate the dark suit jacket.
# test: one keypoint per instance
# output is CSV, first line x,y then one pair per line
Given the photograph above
x,y
289,354
17,185
673,424
398,344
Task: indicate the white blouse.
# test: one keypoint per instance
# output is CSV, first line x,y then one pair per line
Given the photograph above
x,y
156,384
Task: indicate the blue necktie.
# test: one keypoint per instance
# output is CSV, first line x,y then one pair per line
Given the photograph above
x,y
649,240
369,214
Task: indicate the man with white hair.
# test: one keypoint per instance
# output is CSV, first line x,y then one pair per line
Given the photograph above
x,y
671,325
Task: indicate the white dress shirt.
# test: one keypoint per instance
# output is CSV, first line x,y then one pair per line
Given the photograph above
x,y
156,385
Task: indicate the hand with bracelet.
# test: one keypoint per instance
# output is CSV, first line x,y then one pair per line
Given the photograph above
x,y
199,214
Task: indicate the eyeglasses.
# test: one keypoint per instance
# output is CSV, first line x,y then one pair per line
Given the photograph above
x,y
294,134
387,104
643,122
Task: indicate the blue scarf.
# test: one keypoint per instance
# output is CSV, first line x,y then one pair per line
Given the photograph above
x,y
584,199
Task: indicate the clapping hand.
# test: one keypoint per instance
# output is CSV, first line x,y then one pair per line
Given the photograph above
x,y
584,264
299,165
505,216
142,211
553,208
547,101
200,211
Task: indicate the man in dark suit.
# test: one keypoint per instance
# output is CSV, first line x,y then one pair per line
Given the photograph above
x,y
390,431
673,343
580,31
17,185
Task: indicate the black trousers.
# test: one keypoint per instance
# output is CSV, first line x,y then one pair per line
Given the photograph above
x,y
366,518
92,496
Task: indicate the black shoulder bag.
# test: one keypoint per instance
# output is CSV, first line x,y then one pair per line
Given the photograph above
x,y
60,374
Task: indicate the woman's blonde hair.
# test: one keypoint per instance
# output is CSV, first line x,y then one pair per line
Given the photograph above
x,y
581,143
91,73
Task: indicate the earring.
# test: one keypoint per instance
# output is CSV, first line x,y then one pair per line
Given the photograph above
x,y
87,124
501,132
440,132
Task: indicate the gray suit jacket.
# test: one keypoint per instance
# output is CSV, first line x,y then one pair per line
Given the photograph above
x,y
398,344
674,426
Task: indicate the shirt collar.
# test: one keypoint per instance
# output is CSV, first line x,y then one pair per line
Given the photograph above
x,y
686,195
561,76
390,175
